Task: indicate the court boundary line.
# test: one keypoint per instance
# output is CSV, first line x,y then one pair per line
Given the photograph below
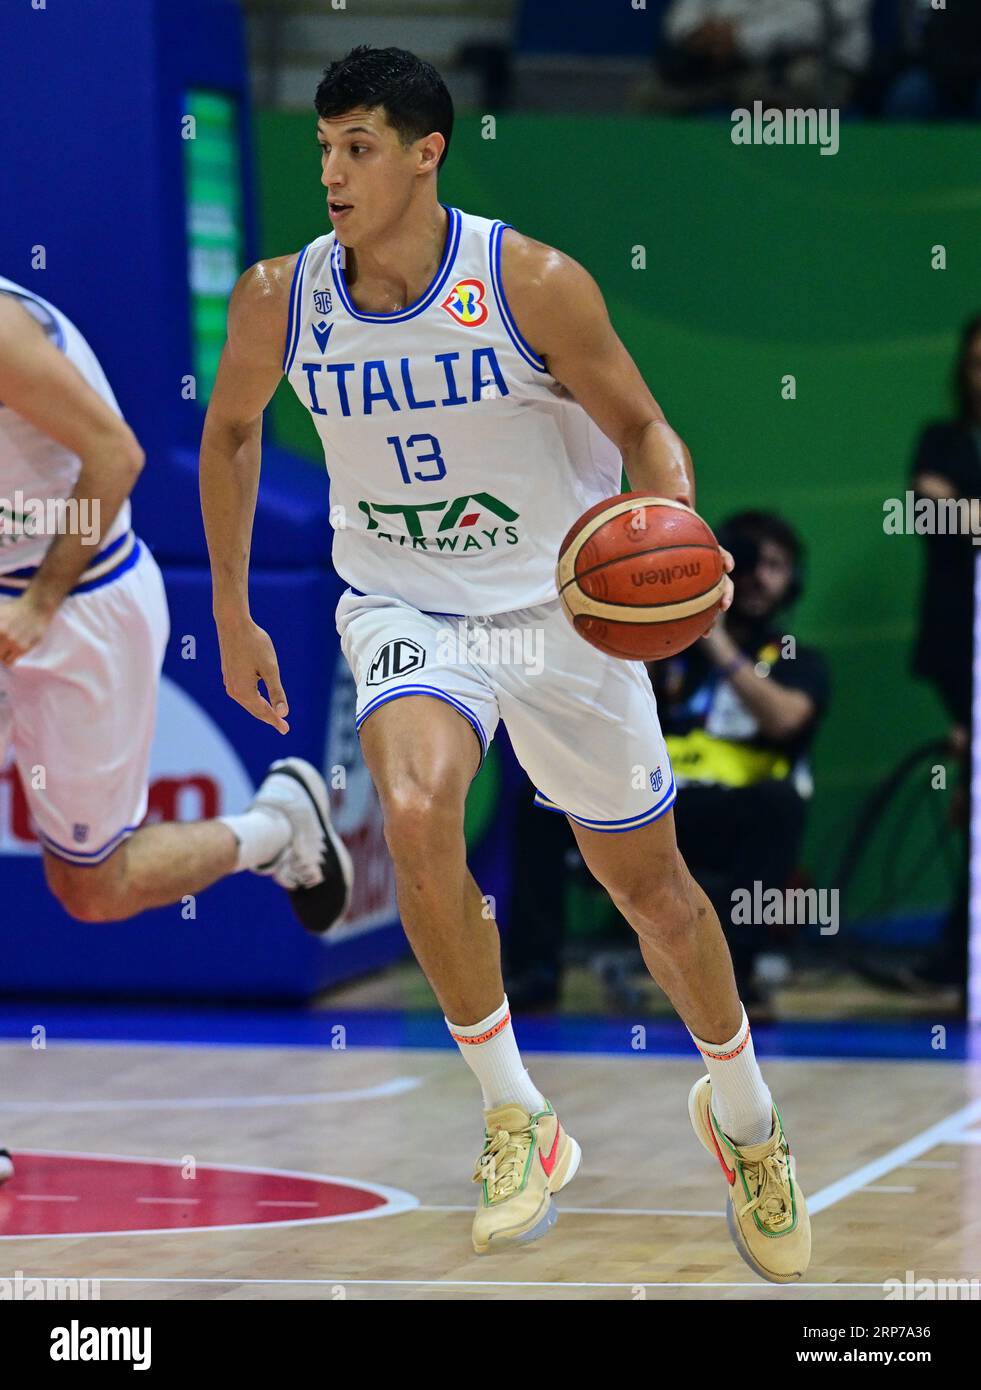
x,y
945,1131
399,1085
477,1283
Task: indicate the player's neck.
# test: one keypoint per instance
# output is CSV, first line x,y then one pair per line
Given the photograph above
x,y
401,263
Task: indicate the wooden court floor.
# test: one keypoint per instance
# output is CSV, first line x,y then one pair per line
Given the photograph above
x,y
889,1154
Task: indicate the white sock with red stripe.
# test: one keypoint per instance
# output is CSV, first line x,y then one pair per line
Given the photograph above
x,y
741,1099
491,1052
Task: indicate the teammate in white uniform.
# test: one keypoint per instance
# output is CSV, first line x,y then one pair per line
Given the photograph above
x,y
473,400
83,627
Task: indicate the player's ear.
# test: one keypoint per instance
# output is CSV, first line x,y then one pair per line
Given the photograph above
x,y
431,149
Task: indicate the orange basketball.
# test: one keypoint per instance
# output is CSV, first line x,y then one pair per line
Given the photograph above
x,y
640,577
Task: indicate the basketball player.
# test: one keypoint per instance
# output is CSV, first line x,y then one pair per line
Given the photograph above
x,y
83,626
473,400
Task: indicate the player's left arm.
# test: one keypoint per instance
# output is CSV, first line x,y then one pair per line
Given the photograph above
x,y
40,384
561,314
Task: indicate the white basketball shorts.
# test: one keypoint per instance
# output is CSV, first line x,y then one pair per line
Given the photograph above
x,y
79,711
583,725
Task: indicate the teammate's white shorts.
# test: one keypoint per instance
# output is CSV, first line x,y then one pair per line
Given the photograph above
x,y
79,712
583,725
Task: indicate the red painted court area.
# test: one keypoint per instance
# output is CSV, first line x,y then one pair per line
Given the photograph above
x,y
74,1194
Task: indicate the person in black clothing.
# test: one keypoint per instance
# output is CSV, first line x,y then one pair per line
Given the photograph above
x,y
947,464
739,710
941,75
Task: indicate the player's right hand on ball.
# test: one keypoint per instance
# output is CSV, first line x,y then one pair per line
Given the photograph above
x,y
248,657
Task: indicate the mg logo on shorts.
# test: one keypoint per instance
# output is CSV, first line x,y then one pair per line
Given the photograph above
x,y
656,780
396,658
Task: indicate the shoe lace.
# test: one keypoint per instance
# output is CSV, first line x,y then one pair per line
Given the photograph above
x,y
502,1162
770,1179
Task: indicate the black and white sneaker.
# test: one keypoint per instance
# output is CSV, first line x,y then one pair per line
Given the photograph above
x,y
6,1166
315,867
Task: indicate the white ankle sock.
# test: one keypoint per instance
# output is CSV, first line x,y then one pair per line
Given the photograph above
x,y
261,833
491,1053
740,1097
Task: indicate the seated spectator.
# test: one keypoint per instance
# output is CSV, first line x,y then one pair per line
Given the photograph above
x,y
739,710
942,75
947,464
785,53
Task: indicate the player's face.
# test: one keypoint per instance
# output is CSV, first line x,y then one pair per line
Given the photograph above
x,y
366,171
763,588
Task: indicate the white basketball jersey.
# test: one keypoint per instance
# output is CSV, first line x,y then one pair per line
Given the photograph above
x,y
35,469
457,462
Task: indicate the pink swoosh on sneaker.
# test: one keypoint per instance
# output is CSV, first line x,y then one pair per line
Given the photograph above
x,y
729,1172
549,1163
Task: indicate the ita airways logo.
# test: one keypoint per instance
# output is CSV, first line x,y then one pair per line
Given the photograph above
x,y
195,774
478,521
465,303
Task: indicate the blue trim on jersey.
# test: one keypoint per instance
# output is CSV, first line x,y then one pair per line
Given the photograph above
x,y
616,827
497,285
26,574
86,859
439,280
294,319
59,341
458,705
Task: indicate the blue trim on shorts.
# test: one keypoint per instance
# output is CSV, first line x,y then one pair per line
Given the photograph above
x,y
438,694
81,587
132,559
85,859
426,612
616,827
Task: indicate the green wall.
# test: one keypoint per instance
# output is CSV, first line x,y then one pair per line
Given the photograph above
x,y
761,261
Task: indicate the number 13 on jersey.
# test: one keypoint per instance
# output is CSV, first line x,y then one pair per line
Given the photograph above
x,y
434,457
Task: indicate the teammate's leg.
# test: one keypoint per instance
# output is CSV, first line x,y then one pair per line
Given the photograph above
x,y
157,865
285,833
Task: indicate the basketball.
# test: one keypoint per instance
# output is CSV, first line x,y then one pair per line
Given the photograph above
x,y
640,577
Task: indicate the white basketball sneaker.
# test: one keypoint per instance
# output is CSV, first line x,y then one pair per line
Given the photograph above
x,y
314,868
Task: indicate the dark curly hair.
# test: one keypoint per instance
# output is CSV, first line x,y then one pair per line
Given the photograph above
x,y
414,96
